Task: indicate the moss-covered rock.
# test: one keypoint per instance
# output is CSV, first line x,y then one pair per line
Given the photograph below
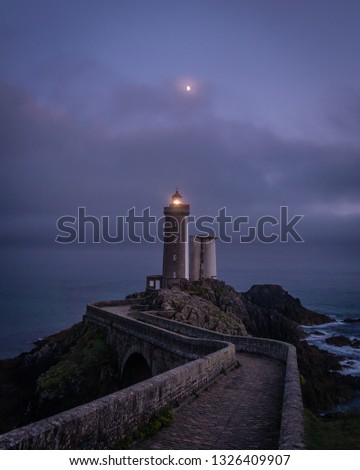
x,y
64,370
266,311
331,432
87,371
189,307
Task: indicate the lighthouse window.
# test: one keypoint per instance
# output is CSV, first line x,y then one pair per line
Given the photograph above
x,y
174,275
174,257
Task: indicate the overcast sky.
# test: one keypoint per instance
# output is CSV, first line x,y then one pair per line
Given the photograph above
x,y
94,110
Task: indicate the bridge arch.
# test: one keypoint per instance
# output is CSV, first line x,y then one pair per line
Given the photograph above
x,y
135,369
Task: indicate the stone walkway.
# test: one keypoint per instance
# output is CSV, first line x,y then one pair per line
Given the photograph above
x,y
241,410
121,310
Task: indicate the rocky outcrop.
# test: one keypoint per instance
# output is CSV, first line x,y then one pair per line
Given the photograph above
x,y
217,300
188,307
274,297
266,311
76,365
65,370
322,383
341,341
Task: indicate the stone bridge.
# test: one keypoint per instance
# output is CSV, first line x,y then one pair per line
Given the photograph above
x,y
163,363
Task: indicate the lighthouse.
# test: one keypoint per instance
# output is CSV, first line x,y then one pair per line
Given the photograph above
x,y
176,263
176,244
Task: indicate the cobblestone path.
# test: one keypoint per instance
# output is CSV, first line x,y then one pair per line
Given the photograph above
x,y
239,411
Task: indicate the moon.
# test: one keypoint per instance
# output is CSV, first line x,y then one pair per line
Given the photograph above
x,y
188,88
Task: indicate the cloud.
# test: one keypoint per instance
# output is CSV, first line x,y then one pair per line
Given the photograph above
x,y
59,153
343,113
95,95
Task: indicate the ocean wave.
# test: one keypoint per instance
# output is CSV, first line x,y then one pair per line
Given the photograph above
x,y
350,367
349,356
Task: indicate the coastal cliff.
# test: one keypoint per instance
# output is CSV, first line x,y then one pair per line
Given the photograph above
x,y
266,311
77,365
64,370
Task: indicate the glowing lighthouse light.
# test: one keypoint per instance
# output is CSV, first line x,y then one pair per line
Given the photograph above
x,y
176,198
188,88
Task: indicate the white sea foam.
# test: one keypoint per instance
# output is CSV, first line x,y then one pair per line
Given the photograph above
x,y
350,366
350,356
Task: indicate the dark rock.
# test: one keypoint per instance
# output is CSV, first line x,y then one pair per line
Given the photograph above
x,y
276,298
269,312
351,320
348,363
341,341
198,306
76,366
65,370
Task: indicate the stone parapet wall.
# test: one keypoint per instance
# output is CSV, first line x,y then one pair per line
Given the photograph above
x,y
182,345
103,422
267,347
292,416
292,421
116,303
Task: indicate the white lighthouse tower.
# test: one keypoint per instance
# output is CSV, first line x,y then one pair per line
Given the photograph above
x,y
203,257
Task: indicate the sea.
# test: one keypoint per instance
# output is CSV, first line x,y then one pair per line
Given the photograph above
x,y
43,291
